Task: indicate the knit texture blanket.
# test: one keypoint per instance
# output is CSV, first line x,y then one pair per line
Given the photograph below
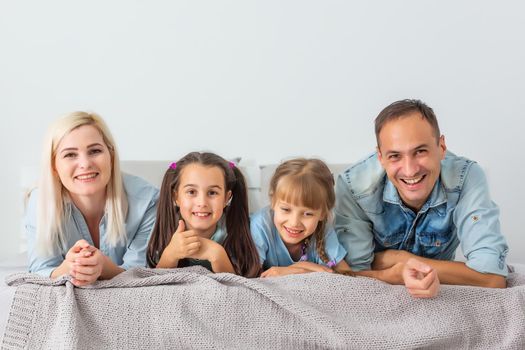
x,y
191,308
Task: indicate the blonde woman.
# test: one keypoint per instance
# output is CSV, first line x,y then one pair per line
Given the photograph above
x,y
86,219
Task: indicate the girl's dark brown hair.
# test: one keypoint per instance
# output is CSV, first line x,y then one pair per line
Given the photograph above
x,y
238,244
307,183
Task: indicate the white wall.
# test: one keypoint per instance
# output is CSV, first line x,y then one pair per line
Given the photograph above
x,y
264,80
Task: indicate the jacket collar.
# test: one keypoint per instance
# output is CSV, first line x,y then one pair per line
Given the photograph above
x,y
437,197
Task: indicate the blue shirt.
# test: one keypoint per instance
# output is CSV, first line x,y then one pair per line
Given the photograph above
x,y
142,208
272,250
371,217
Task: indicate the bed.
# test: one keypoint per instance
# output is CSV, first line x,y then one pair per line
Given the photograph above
x,y
192,308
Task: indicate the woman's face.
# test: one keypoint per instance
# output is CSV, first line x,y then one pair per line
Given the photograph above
x,y
201,197
83,163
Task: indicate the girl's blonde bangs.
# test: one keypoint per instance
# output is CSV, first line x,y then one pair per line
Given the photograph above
x,y
301,191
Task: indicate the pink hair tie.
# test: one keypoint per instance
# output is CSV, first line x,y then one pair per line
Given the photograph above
x,y
231,164
173,166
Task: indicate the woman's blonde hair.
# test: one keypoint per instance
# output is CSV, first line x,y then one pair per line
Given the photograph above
x,y
308,183
53,196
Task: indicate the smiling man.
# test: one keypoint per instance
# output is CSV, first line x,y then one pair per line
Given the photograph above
x,y
414,198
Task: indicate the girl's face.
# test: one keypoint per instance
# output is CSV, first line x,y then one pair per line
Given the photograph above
x,y
295,223
201,197
83,162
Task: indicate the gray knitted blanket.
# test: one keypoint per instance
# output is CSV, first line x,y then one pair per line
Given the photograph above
x,y
190,308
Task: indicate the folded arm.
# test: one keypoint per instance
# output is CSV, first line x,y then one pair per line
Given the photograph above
x,y
449,272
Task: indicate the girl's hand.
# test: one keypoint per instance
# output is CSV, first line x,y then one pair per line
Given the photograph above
x,y
183,243
215,254
288,270
282,271
421,280
312,267
209,250
296,268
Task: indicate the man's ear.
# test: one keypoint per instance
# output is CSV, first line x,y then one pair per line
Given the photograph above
x,y
442,146
379,155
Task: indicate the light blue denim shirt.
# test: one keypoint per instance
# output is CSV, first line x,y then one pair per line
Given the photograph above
x,y
272,250
142,209
370,216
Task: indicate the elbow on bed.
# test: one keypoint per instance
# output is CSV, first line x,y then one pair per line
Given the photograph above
x,y
494,281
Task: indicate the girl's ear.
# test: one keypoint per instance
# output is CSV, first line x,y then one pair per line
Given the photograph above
x,y
175,201
229,197
273,203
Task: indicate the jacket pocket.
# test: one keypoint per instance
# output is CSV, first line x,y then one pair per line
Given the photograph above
x,y
434,244
389,240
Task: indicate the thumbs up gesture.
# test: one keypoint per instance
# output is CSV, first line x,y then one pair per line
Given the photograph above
x,y
184,243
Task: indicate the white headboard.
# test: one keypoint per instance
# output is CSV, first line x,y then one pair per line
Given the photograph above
x,y
257,177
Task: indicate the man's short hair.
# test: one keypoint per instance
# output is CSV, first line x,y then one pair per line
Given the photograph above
x,y
402,108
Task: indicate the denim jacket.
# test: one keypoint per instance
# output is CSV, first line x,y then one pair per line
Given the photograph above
x,y
370,216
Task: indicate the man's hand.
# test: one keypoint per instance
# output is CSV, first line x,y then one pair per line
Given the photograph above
x,y
421,280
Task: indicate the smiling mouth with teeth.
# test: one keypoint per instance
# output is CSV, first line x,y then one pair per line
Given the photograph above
x,y
86,177
201,215
293,232
413,181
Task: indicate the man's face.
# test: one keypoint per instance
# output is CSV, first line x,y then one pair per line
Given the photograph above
x,y
411,156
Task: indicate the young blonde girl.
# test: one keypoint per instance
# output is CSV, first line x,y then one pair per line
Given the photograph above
x,y
202,218
294,234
